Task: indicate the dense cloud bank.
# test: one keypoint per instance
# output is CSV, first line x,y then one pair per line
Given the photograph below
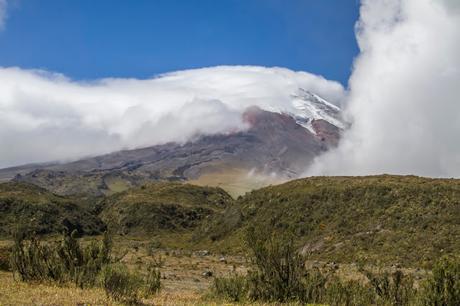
x,y
47,117
404,98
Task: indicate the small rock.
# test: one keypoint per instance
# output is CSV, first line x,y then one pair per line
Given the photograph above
x,y
223,259
207,273
203,253
333,265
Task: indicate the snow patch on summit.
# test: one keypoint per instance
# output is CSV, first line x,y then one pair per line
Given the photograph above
x,y
309,107
312,107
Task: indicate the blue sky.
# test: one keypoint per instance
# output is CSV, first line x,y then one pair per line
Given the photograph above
x,y
89,39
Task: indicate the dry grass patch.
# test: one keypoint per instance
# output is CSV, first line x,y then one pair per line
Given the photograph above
x,y
20,293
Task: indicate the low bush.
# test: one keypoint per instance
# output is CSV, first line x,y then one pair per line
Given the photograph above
x,y
128,287
393,289
233,288
277,272
348,293
5,259
121,285
443,286
153,277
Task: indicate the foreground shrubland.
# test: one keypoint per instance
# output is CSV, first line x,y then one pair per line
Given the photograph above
x,y
278,274
68,262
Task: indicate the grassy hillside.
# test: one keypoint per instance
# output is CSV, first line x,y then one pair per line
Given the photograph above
x,y
26,205
388,219
162,206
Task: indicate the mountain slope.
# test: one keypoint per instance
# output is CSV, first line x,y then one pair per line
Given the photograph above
x,y
274,148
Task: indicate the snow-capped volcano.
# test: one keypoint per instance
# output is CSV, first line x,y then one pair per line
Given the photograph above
x,y
273,147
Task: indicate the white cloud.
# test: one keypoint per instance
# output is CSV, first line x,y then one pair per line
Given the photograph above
x,y
3,5
404,98
47,117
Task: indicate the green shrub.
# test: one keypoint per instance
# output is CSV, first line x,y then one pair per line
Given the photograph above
x,y
64,261
67,261
5,259
121,285
128,287
34,261
393,289
348,293
443,286
233,289
313,286
153,278
278,270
